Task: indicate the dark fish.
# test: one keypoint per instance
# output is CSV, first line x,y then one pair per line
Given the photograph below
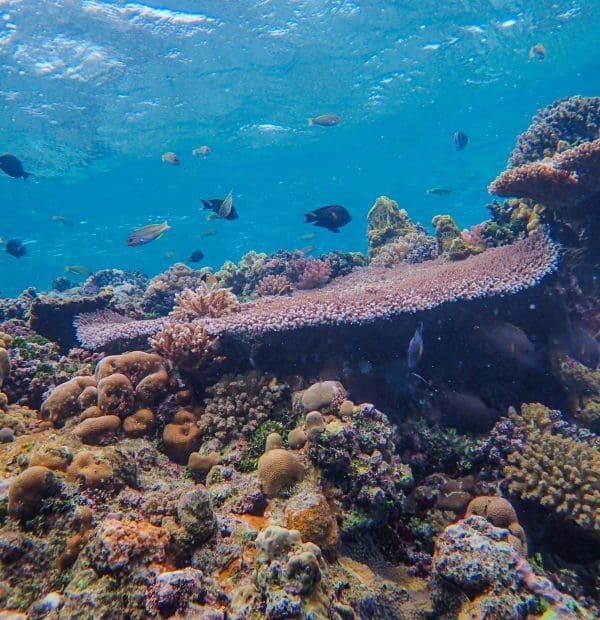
x,y
583,346
510,343
146,234
460,140
226,212
196,256
16,248
325,120
415,347
331,217
12,166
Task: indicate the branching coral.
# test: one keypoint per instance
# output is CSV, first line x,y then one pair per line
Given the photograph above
x,y
273,285
206,300
187,346
555,467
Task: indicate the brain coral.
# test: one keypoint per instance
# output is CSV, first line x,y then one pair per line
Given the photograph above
x,y
28,489
278,469
558,469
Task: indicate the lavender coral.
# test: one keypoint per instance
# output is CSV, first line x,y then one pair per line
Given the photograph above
x,y
378,293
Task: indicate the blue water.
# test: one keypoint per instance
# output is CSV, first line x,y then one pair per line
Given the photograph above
x,y
92,93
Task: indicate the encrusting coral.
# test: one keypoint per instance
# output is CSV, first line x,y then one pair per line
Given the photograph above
x,y
554,467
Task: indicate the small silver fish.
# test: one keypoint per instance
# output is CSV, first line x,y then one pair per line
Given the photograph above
x,y
225,208
415,347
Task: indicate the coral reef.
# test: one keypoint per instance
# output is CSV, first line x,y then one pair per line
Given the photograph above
x,y
371,293
557,467
479,573
564,124
392,238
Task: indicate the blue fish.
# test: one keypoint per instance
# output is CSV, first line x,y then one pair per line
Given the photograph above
x,y
460,140
415,347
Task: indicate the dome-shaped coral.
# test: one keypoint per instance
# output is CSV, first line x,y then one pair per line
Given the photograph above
x,y
278,469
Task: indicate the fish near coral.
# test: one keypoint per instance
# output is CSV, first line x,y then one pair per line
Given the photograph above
x,y
146,234
508,342
10,165
332,217
415,347
78,270
196,256
439,191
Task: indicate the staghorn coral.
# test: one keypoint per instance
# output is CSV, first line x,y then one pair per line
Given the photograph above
x,y
188,346
206,300
566,123
374,293
555,467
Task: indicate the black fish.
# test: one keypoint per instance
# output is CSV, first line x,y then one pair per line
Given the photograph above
x,y
215,205
12,166
331,217
16,248
196,256
415,347
460,140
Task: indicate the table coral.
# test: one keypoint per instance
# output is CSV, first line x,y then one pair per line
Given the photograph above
x,y
556,468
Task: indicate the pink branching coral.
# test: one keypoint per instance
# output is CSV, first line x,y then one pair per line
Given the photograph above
x,y
308,272
273,285
372,293
206,300
105,329
187,345
567,179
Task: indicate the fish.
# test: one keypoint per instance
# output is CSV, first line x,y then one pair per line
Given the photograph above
x,y
209,232
538,52
169,254
78,270
415,347
307,236
439,191
324,120
460,139
203,150
61,219
170,158
16,248
508,342
331,217
196,256
10,165
223,209
583,346
309,249
146,234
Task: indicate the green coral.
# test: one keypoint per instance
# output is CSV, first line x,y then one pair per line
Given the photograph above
x,y
386,222
249,460
446,448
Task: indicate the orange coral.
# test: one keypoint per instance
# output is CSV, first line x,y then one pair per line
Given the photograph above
x,y
92,430
567,179
63,402
115,394
140,423
181,436
89,471
28,489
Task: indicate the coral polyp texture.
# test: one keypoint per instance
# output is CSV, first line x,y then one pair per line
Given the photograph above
x,y
372,293
562,125
567,179
556,466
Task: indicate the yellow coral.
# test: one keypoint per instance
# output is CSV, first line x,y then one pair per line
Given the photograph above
x,y
558,471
